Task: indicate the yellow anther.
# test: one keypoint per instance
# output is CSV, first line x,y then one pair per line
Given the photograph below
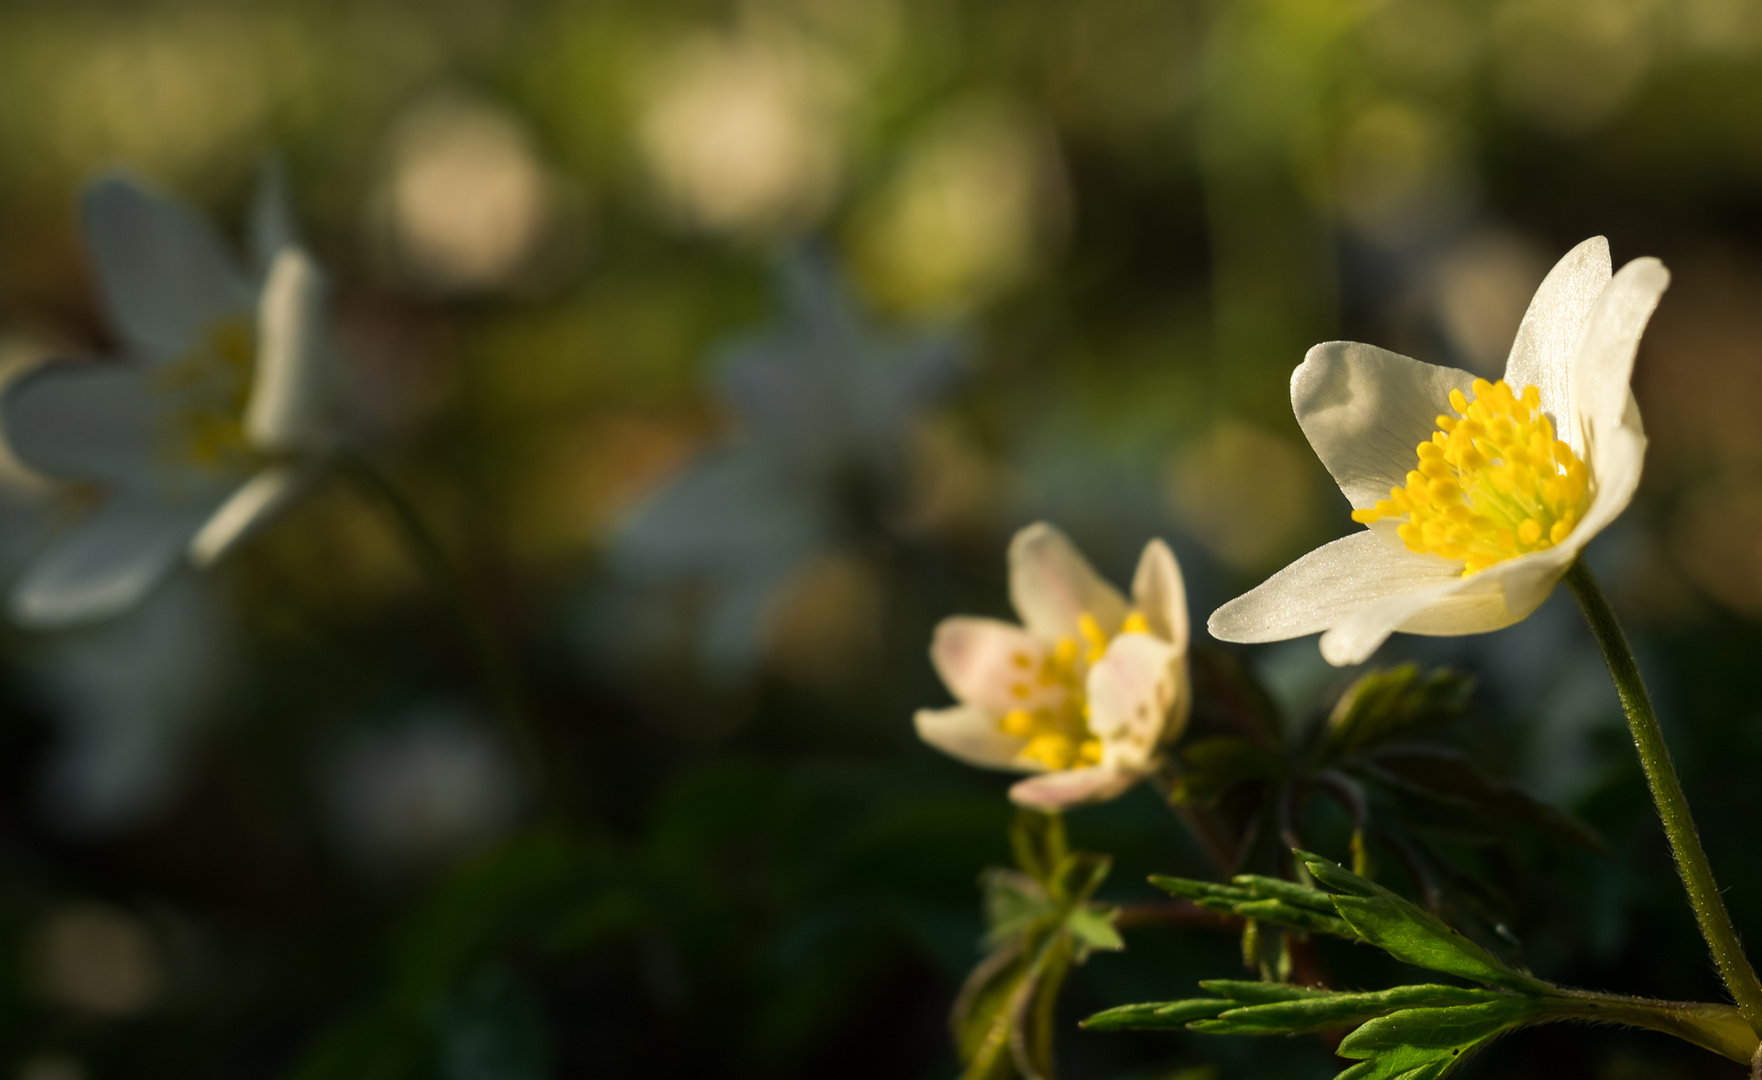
x,y
1057,735
212,386
1492,482
1054,750
1092,633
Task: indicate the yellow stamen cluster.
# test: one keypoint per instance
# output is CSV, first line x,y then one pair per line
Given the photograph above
x,y
1492,483
1059,737
213,386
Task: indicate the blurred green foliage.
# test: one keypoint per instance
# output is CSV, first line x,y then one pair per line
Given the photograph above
x,y
544,218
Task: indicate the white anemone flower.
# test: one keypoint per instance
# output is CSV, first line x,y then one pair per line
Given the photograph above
x,y
1479,496
1086,693
218,413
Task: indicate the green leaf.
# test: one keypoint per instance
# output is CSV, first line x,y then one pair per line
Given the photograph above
x,y
1268,899
1286,891
1405,931
1444,774
1013,903
1093,927
1258,993
1324,1012
1216,765
1156,1015
1440,1028
1384,704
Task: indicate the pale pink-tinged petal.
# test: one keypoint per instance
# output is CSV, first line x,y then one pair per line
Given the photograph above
x,y
1161,595
1603,365
1056,791
992,664
972,734
1052,586
1366,409
1134,696
1548,338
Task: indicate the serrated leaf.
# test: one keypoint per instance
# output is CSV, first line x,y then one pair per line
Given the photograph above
x,y
1093,927
1330,1011
1277,911
1409,933
1216,765
1156,1015
1383,704
1199,891
1013,903
1246,991
1414,1065
1287,891
1455,1027
1445,774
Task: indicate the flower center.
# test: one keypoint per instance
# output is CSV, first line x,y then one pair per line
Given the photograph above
x,y
1493,482
212,386
1057,733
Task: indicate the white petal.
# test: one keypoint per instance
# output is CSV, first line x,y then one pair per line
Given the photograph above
x,y
1549,336
106,564
165,276
991,664
1328,585
293,397
248,509
1072,787
1604,362
1617,458
88,419
1134,690
272,225
1161,595
972,735
1051,584
1366,410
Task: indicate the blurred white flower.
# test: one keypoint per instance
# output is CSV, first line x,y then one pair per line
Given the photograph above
x,y
742,135
1470,532
130,696
825,405
1086,693
218,414
423,790
467,201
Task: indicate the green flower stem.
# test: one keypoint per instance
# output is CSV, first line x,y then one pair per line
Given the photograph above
x,y
1673,806
494,666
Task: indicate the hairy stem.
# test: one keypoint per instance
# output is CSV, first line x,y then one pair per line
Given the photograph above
x,y
494,666
1673,805
1719,1028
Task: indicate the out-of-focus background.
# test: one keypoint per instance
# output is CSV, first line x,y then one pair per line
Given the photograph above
x,y
725,345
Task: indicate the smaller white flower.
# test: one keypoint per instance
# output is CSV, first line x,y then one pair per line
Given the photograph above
x,y
1478,495
219,412
1086,693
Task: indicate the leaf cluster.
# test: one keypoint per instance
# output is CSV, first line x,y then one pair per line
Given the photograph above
x,y
1041,921
1414,1032
1376,755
